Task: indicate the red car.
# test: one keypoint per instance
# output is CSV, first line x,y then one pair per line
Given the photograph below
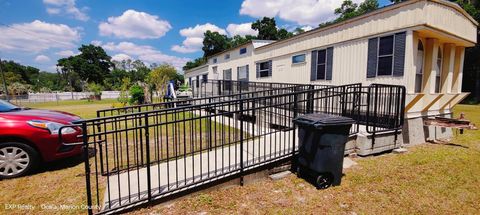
x,y
29,137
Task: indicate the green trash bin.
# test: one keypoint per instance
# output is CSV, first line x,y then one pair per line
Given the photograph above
x,y
322,139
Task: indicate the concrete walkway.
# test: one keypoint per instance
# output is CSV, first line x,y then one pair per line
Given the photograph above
x,y
175,175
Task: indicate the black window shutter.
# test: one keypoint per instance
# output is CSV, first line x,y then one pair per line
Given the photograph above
x,y
238,73
258,70
372,57
313,70
399,54
328,76
270,68
248,77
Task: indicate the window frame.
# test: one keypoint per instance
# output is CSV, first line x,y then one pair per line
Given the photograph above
x,y
300,62
227,56
324,64
215,69
388,55
267,70
214,60
244,48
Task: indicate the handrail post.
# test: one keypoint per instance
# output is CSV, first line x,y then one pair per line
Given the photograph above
x,y
147,144
241,143
87,167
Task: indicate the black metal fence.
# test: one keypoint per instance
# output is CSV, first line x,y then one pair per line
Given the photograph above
x,y
207,92
147,156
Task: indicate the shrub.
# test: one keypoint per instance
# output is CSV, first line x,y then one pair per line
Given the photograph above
x,y
137,95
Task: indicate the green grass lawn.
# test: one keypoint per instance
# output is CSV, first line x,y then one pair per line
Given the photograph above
x,y
429,179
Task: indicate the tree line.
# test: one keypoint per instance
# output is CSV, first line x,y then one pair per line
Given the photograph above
x,y
91,70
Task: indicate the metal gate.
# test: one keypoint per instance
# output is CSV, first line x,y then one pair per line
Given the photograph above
x,y
154,154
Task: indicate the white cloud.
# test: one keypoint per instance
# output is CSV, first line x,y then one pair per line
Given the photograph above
x,y
65,53
42,59
66,6
302,12
134,24
37,36
121,57
96,43
307,28
194,37
145,53
241,29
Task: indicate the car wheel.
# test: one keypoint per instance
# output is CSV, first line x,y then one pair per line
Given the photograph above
x,y
16,159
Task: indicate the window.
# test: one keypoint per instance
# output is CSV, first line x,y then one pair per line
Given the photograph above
x,y
198,82
227,74
321,64
298,58
385,56
242,73
190,81
419,65
264,69
243,50
439,71
227,56
215,69
204,78
214,60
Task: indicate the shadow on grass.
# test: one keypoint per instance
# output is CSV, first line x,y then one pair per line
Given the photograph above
x,y
455,145
64,163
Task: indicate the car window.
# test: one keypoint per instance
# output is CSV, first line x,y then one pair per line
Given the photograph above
x,y
6,106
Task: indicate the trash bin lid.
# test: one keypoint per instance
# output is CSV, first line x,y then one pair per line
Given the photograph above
x,y
321,120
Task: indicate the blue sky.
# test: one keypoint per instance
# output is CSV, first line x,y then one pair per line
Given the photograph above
x,y
39,32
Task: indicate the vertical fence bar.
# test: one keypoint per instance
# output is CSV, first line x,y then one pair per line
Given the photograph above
x,y
241,143
147,145
87,167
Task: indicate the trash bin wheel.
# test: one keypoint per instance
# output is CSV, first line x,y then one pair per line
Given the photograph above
x,y
324,181
299,171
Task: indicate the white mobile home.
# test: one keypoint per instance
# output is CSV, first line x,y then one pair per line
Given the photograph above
x,y
419,44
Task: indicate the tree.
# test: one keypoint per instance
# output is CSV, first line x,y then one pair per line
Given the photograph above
x,y
70,79
284,34
367,6
238,40
348,10
267,28
92,64
213,43
137,96
298,31
18,88
192,64
158,78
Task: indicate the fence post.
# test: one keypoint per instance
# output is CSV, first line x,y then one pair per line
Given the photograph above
x,y
310,99
241,143
295,114
87,167
147,144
